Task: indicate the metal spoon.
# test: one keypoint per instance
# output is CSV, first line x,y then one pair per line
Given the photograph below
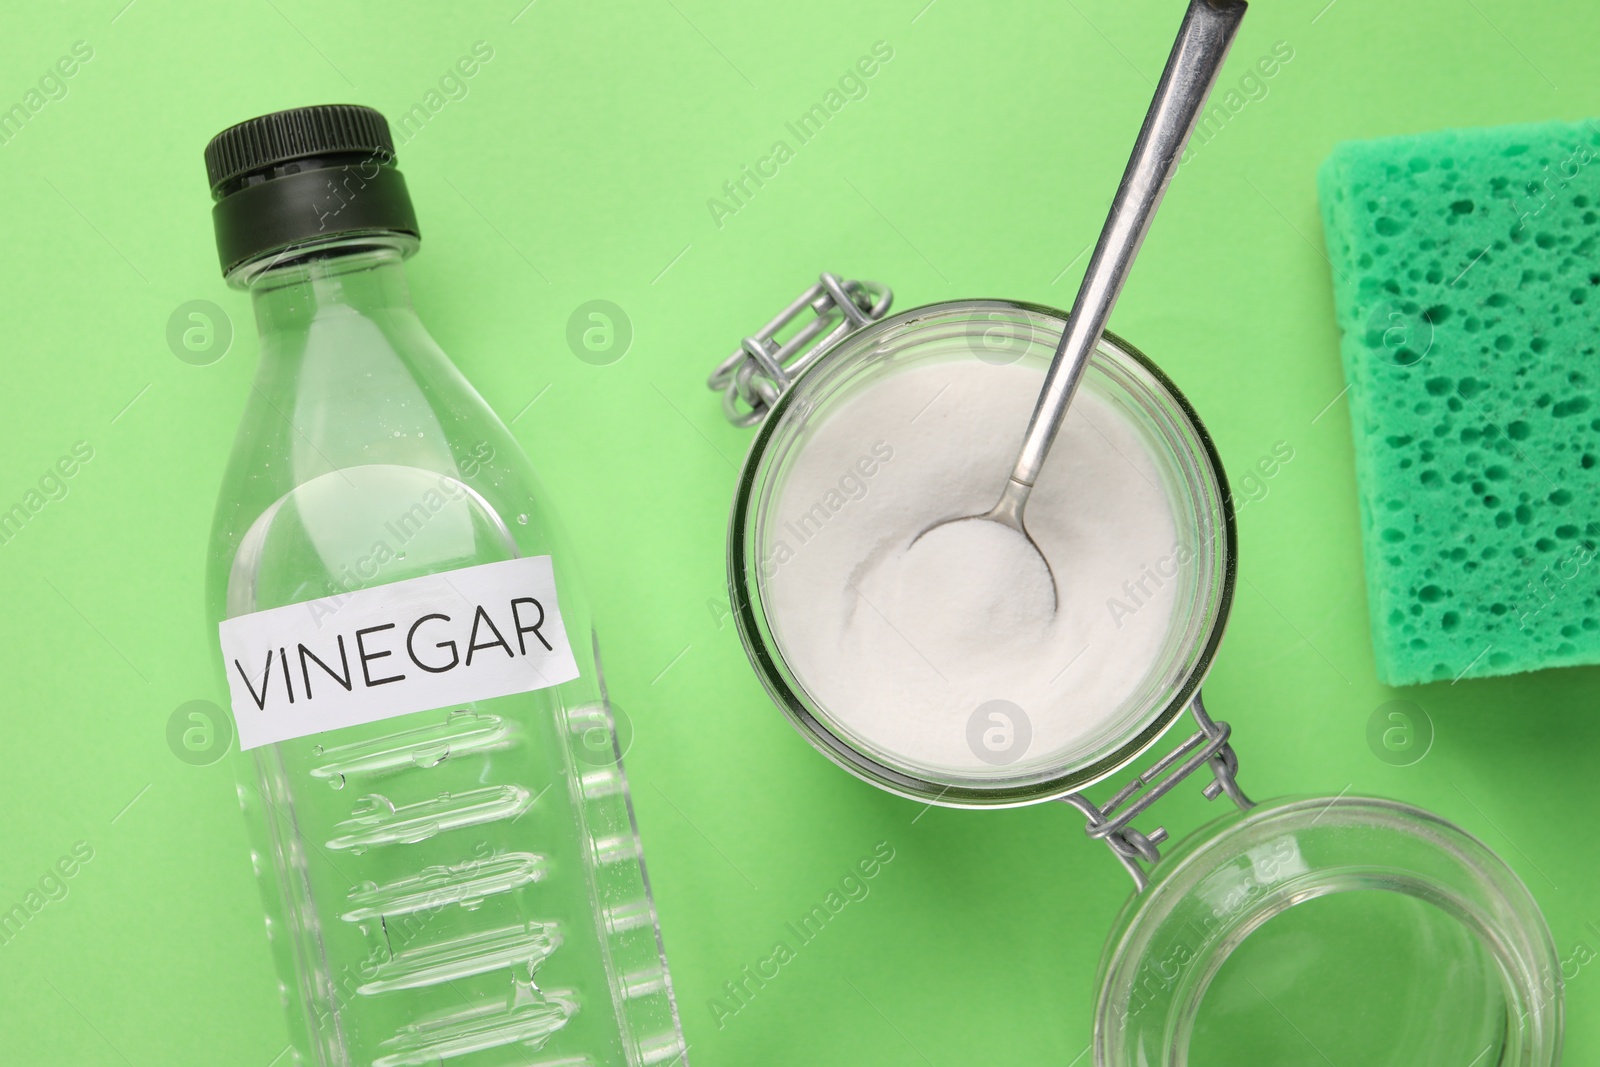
x,y
1203,39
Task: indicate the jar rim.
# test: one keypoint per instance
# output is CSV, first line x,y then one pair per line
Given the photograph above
x,y
760,644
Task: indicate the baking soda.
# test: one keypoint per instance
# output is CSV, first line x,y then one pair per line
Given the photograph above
x,y
913,646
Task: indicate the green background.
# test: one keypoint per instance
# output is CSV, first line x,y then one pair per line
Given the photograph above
x,y
578,167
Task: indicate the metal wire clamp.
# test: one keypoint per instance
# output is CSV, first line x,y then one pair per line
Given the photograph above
x,y
758,372
1207,746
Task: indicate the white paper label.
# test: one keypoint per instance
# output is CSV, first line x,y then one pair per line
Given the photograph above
x,y
463,635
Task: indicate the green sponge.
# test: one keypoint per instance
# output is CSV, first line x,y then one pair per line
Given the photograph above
x,y
1466,271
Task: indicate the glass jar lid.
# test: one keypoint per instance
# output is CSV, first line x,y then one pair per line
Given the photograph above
x,y
1330,930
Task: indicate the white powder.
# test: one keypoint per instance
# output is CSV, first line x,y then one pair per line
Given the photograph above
x,y
906,647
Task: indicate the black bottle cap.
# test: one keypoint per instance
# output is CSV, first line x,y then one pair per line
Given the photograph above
x,y
305,175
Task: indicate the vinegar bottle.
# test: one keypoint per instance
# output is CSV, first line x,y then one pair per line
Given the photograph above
x,y
441,824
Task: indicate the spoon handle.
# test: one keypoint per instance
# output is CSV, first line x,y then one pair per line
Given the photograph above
x,y
1203,39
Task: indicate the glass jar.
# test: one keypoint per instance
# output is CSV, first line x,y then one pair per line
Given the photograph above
x,y
994,331
1365,930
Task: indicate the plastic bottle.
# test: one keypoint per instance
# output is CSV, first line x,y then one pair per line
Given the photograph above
x,y
441,824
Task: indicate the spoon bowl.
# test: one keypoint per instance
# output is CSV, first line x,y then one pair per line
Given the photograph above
x,y
1006,512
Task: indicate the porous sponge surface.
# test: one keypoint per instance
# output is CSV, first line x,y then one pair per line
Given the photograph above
x,y
1466,267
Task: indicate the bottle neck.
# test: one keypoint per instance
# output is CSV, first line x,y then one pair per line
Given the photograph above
x,y
365,276
348,375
